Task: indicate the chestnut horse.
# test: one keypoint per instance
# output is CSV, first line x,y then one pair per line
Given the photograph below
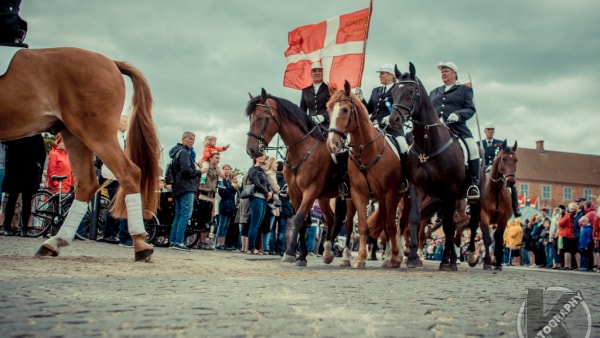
x,y
496,206
82,94
374,170
436,167
308,171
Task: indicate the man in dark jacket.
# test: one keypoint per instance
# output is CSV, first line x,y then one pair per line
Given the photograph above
x,y
314,97
454,104
25,160
184,188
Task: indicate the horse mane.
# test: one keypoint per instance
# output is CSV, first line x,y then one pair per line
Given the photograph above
x,y
289,111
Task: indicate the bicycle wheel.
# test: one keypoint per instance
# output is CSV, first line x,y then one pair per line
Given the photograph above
x,y
191,237
44,209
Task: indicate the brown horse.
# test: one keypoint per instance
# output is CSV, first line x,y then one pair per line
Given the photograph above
x,y
374,170
308,171
436,168
496,206
81,94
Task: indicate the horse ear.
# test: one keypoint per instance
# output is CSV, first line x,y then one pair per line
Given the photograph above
x,y
412,70
397,72
263,95
504,144
250,96
514,148
347,88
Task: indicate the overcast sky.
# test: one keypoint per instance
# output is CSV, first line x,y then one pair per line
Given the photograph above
x,y
534,64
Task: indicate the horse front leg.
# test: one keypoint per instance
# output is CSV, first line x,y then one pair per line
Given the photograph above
x,y
333,229
291,236
487,241
473,224
392,254
360,262
347,254
448,262
415,221
303,249
499,246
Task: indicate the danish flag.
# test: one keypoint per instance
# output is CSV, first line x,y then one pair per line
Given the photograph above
x,y
339,43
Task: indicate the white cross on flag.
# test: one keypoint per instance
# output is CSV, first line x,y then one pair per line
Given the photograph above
x,y
339,43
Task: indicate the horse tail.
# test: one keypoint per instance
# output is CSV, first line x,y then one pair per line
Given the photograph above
x,y
143,144
374,224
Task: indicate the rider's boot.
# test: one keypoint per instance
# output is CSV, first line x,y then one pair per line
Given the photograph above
x,y
473,191
404,186
515,201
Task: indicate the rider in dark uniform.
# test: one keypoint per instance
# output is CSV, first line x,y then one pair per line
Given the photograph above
x,y
491,146
314,97
380,108
12,28
454,104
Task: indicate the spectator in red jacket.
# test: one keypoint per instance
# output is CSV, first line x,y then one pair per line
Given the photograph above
x,y
59,165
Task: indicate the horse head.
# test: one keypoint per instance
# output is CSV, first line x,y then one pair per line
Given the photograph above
x,y
410,99
260,113
506,161
342,111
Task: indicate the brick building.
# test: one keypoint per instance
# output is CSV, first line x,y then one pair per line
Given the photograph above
x,y
553,178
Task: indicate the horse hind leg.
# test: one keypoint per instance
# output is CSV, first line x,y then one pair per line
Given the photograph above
x,y
86,184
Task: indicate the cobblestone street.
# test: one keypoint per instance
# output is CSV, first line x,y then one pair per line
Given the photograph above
x,y
95,289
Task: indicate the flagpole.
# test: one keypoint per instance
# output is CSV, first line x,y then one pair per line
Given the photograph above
x,y
477,119
362,65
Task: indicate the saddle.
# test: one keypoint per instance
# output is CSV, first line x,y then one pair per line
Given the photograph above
x,y
7,52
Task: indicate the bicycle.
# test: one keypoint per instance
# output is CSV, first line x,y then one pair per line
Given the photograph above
x,y
49,210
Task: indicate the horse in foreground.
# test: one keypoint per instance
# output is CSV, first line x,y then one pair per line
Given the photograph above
x,y
436,167
496,206
374,170
81,94
308,170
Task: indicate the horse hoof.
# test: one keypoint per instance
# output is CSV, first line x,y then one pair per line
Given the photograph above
x,y
144,255
45,251
345,262
414,263
301,262
51,247
487,267
288,259
359,265
328,258
497,267
391,264
472,260
448,267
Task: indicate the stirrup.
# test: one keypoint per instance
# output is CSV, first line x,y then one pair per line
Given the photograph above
x,y
404,186
517,213
343,190
473,193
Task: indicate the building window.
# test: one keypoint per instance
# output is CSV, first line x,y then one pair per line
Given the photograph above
x,y
567,194
587,193
524,190
546,192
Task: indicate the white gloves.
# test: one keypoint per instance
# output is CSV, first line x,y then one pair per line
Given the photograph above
x,y
318,119
453,118
385,120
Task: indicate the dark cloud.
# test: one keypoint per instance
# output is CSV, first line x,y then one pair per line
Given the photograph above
x,y
533,64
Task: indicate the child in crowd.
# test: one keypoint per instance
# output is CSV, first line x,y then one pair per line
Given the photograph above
x,y
586,244
210,146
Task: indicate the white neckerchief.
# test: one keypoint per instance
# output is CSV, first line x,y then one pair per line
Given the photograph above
x,y
316,86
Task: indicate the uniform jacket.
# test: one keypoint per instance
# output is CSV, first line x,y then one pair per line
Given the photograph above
x,y
186,175
378,110
459,100
25,160
315,103
490,150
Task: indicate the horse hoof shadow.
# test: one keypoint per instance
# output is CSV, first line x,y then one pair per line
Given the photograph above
x,y
497,267
301,262
288,259
359,265
448,267
345,262
414,263
391,264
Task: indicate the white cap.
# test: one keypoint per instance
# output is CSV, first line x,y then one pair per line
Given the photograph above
x,y
490,125
316,65
387,68
448,64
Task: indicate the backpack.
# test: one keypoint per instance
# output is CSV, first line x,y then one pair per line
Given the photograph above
x,y
170,173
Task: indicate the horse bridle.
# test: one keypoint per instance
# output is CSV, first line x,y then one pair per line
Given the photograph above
x,y
503,176
262,143
352,112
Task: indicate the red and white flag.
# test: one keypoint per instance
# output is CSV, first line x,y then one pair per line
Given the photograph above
x,y
339,43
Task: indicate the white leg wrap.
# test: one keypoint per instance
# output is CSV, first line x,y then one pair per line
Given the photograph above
x,y
135,218
403,144
74,217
